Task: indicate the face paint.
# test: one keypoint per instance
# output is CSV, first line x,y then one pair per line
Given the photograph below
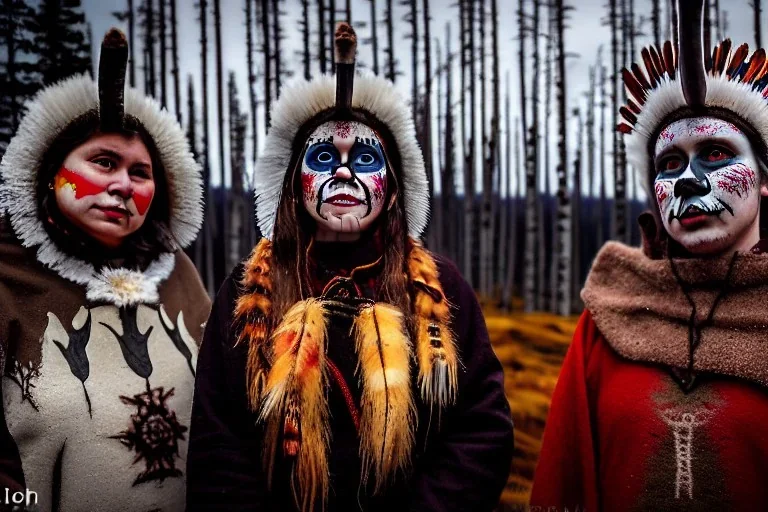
x,y
105,187
142,201
707,185
344,178
81,185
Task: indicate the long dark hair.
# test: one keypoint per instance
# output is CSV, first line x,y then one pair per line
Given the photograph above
x,y
294,229
139,248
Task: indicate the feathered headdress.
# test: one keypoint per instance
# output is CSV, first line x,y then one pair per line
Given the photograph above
x,y
303,102
679,83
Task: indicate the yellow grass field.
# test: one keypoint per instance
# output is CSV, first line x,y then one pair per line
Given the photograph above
x,y
531,346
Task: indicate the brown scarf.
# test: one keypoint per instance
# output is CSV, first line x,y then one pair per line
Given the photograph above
x,y
287,372
642,309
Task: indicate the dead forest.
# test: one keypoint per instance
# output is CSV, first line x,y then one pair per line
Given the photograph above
x,y
529,176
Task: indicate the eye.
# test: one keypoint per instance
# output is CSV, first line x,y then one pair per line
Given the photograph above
x,y
716,154
673,163
107,163
365,159
141,173
325,157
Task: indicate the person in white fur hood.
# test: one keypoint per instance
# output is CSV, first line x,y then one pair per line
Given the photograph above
x,y
102,311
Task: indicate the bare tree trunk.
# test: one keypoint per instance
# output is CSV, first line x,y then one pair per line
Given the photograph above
x,y
620,193
672,5
428,153
414,59
321,50
547,274
278,34
266,48
757,12
192,116
210,217
707,39
132,47
603,104
718,28
348,11
235,205
374,38
449,147
305,37
149,48
175,63
221,121
465,260
391,75
163,55
470,218
494,146
564,211
252,74
512,197
618,213
531,223
656,23
332,31
576,214
486,227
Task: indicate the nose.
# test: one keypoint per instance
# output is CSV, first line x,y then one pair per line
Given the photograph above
x,y
691,187
121,184
342,173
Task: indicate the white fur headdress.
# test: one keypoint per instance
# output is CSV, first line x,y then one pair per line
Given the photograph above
x,y
728,84
48,114
303,100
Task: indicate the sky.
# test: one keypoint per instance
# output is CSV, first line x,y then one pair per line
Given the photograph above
x,y
585,33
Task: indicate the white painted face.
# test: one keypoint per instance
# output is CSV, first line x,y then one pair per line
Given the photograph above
x,y
708,186
105,187
344,179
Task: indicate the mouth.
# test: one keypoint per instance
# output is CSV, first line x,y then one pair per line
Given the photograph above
x,y
344,200
693,216
114,212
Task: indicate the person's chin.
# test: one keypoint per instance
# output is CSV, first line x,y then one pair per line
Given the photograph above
x,y
707,241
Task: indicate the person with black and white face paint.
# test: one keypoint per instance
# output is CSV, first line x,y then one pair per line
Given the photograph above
x,y
345,367
662,399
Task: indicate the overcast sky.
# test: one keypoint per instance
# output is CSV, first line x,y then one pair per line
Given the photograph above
x,y
585,33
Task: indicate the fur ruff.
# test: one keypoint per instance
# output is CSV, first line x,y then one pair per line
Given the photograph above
x,y
388,412
302,101
384,356
48,114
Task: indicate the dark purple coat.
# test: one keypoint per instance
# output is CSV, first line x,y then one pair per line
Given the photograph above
x,y
461,458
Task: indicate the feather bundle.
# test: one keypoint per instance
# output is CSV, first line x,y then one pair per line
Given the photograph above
x,y
388,412
294,396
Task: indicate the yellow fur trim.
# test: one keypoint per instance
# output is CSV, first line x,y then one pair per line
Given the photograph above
x,y
388,411
435,345
294,396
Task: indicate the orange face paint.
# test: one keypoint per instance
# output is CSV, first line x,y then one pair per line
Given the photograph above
x,y
82,186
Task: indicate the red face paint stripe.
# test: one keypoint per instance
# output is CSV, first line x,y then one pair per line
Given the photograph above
x,y
82,186
142,202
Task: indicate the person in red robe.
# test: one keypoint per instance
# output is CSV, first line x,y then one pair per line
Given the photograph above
x,y
662,400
